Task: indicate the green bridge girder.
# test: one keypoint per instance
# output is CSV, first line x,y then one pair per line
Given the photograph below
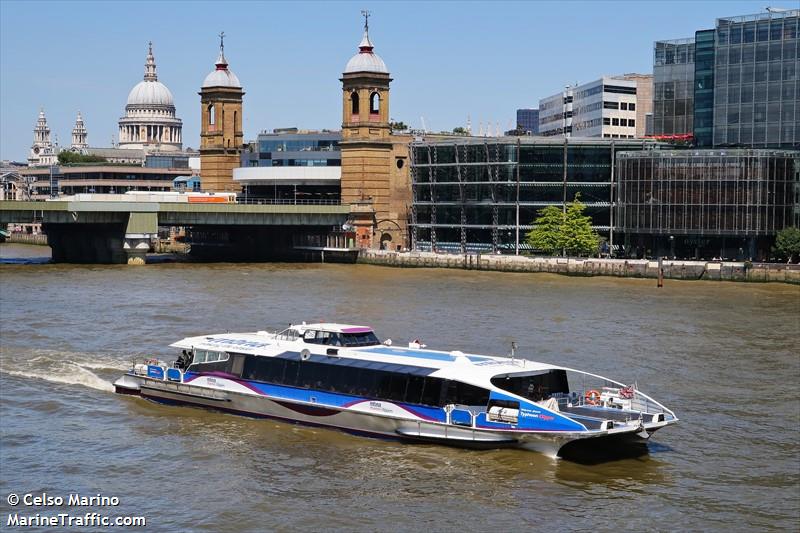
x,y
170,214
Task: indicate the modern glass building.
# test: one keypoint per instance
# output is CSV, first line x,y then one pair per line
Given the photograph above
x,y
483,194
756,89
673,89
706,204
736,85
291,166
528,121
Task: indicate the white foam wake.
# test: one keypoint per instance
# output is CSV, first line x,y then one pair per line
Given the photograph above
x,y
81,376
60,367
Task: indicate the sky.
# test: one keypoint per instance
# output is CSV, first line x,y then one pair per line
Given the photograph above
x,y
449,60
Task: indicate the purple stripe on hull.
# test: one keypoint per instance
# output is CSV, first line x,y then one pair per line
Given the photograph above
x,y
225,375
357,330
309,410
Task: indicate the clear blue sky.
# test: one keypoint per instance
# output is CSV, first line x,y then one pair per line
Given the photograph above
x,y
448,59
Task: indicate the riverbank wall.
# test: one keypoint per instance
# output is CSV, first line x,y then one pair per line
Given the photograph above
x,y
624,268
38,239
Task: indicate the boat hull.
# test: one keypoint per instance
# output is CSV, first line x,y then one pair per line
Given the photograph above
x,y
374,424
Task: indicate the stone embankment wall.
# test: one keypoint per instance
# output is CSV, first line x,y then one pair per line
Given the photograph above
x,y
28,238
626,268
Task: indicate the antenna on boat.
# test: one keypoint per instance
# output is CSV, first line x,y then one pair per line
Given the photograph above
x,y
513,349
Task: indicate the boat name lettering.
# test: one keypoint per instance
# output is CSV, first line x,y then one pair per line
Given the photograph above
x,y
237,342
530,413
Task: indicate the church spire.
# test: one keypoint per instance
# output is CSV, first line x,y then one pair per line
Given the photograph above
x,y
79,134
365,47
150,65
222,63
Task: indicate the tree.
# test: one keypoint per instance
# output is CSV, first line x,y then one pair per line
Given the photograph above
x,y
570,231
398,126
578,236
67,157
787,244
546,232
459,131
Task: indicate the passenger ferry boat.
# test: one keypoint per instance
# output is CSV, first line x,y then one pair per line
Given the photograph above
x,y
343,376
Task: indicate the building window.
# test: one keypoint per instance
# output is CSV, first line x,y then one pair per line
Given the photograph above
x,y
631,123
374,104
623,106
610,105
631,107
354,103
606,121
623,122
212,115
615,122
607,135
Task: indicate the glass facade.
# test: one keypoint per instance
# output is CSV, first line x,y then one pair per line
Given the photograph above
x,y
313,149
528,120
481,194
756,89
706,203
673,87
704,88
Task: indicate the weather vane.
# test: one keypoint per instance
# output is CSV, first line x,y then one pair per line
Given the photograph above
x,y
366,15
222,40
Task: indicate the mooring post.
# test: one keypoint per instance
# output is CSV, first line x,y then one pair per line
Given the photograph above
x,y
660,272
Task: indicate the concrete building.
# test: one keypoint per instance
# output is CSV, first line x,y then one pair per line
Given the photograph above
x,y
374,161
221,136
98,178
528,121
607,108
644,100
150,122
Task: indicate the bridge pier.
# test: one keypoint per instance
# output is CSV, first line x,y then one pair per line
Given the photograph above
x,y
136,249
85,243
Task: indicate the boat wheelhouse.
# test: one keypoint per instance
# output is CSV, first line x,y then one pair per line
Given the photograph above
x,y
343,376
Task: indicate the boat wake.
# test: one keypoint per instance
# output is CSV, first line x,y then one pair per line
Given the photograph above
x,y
67,368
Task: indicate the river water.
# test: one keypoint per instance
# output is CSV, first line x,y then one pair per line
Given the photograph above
x,y
723,356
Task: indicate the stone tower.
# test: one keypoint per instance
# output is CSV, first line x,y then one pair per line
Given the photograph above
x,y
366,145
79,135
221,126
43,152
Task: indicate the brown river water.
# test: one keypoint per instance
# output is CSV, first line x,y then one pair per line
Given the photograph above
x,y
723,356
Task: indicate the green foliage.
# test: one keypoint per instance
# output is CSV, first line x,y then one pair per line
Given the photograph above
x,y
787,243
398,126
67,158
459,131
546,233
571,231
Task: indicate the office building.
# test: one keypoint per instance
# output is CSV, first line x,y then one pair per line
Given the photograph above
x,y
706,204
735,85
528,121
290,166
483,194
605,108
673,89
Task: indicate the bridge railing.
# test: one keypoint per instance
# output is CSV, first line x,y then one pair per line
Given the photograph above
x,y
284,201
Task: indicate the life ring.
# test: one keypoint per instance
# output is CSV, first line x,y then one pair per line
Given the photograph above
x,y
593,397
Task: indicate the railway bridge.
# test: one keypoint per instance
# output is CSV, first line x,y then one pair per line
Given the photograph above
x,y
121,231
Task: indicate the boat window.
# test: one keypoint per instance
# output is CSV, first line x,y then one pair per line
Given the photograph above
x,y
199,356
536,387
289,334
327,338
365,382
360,339
465,394
309,335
